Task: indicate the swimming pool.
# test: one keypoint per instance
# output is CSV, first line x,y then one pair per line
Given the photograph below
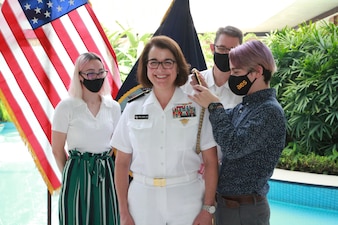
x,y
23,194
296,204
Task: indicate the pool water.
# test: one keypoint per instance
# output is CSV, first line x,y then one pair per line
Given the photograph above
x,y
297,204
23,194
291,214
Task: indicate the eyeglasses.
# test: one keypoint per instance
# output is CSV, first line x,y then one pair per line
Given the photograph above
x,y
93,75
166,64
222,49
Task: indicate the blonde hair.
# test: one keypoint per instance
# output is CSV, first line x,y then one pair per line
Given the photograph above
x,y
75,87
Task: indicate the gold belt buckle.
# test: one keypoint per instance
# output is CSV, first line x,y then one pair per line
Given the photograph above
x,y
159,182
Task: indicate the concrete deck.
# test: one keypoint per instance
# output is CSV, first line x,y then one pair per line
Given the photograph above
x,y
305,178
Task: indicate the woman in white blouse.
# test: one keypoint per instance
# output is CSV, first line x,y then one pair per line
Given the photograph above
x,y
85,122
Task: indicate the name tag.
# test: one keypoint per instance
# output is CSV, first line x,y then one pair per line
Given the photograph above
x,y
141,117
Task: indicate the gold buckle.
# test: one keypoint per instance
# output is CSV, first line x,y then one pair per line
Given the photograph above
x,y
159,182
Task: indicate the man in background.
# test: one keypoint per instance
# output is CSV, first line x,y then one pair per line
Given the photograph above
x,y
216,78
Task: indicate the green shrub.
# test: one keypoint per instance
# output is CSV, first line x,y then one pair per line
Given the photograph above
x,y
311,163
307,84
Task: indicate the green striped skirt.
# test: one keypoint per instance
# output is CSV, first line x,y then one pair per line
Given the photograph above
x,y
88,194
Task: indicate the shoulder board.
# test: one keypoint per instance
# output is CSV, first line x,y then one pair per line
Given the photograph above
x,y
145,91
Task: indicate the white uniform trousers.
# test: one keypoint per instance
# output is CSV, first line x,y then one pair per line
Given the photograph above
x,y
169,205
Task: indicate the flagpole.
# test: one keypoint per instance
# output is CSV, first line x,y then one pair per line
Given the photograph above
x,y
49,208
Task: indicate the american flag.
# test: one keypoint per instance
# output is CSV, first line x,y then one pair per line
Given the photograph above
x,y
39,43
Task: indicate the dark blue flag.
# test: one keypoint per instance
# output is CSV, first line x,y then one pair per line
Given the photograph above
x,y
178,25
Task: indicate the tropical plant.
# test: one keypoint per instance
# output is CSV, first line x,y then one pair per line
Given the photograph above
x,y
205,40
307,84
127,46
4,116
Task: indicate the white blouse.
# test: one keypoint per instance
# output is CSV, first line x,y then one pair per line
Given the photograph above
x,y
85,132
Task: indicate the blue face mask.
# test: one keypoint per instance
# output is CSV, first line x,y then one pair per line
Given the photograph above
x,y
240,85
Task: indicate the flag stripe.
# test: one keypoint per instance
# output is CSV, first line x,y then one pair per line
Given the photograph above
x,y
36,68
27,86
22,108
26,119
38,151
98,26
32,95
40,72
107,43
88,39
112,59
54,59
66,39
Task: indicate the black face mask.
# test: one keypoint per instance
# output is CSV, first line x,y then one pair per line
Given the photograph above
x,y
93,85
222,61
240,85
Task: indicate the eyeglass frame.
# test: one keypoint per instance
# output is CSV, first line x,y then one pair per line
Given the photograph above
x,y
102,73
162,63
225,49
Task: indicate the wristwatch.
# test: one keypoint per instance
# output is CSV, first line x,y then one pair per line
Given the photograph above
x,y
209,208
214,105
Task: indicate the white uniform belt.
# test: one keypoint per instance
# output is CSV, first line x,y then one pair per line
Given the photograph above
x,y
162,182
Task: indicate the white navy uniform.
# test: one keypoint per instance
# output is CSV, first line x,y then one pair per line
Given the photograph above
x,y
225,95
163,145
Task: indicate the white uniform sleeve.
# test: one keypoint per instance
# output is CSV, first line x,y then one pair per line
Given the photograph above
x,y
207,137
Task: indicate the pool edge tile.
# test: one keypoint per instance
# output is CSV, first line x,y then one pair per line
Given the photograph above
x,y
305,178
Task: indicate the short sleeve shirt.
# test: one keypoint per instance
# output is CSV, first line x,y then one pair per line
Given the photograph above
x,y
85,132
163,142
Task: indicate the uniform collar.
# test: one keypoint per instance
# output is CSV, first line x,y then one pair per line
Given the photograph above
x,y
176,97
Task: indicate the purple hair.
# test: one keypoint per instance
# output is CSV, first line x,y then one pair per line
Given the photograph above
x,y
253,53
